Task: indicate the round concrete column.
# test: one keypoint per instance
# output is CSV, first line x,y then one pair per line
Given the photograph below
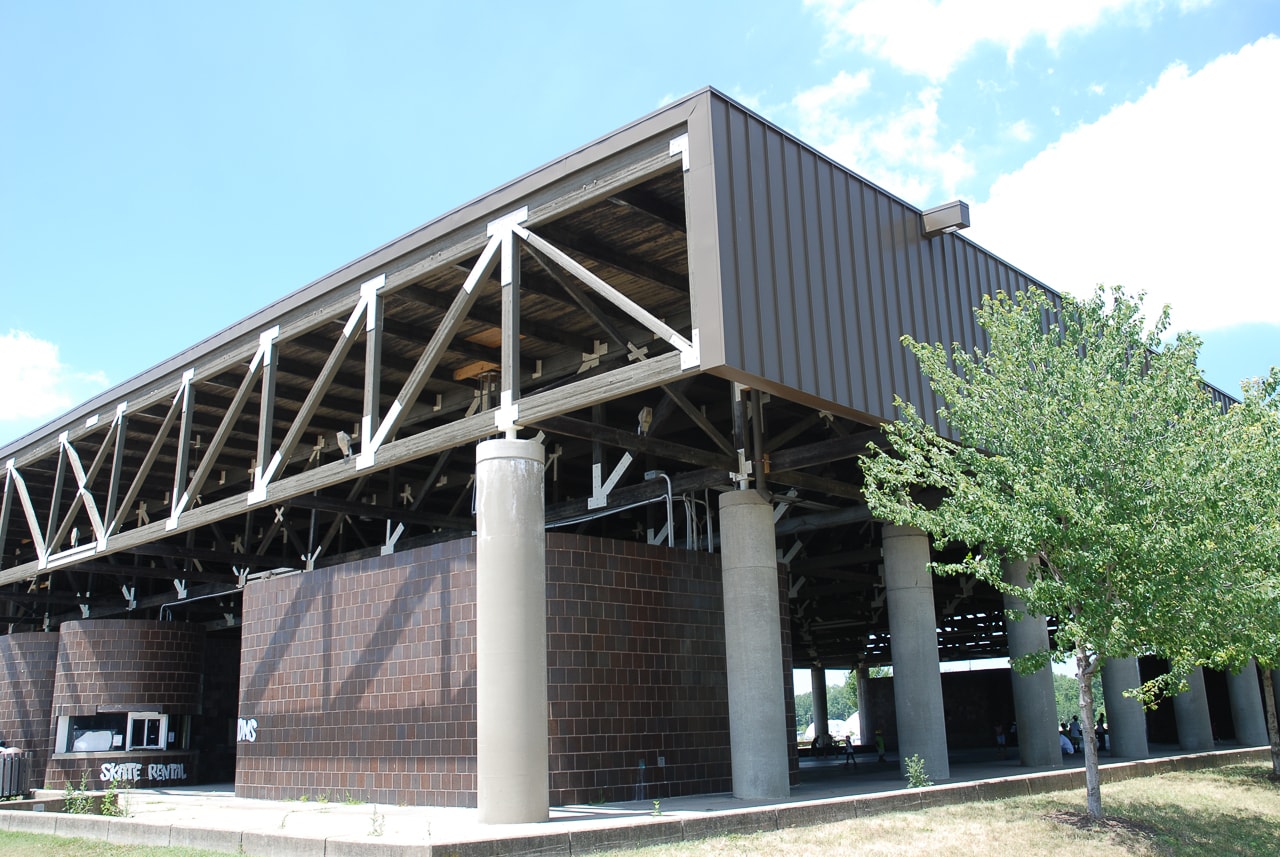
x,y
1247,714
512,784
1126,721
913,642
818,679
753,647
1034,701
1191,710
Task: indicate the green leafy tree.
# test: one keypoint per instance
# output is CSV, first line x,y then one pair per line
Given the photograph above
x,y
842,703
1238,518
1072,432
842,699
804,710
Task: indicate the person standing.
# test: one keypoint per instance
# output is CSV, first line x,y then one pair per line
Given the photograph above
x,y
1074,732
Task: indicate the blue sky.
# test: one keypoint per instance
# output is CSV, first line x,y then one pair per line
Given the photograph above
x,y
170,168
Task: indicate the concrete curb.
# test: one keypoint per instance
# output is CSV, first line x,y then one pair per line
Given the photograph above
x,y
632,832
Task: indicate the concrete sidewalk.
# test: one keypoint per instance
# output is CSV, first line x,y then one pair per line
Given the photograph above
x,y
213,818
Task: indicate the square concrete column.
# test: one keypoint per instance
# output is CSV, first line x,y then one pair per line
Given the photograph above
x,y
512,746
1034,702
1191,710
1126,721
1245,692
913,643
753,648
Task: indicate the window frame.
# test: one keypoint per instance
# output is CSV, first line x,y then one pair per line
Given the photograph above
x,y
162,737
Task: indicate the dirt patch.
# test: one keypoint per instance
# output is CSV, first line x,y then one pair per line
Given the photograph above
x,y
1113,824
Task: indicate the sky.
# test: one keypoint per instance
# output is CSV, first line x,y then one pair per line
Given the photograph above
x,y
170,168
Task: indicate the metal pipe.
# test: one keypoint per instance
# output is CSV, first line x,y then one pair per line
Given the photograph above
x,y
671,526
172,604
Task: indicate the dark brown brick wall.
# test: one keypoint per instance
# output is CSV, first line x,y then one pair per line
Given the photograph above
x,y
128,665
109,665
637,671
154,769
361,678
28,663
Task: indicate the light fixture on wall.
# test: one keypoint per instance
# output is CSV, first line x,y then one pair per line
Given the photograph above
x,y
950,217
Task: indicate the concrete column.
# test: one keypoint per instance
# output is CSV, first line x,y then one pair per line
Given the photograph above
x,y
818,678
753,647
1126,721
1191,710
865,720
1034,702
1247,714
913,642
512,780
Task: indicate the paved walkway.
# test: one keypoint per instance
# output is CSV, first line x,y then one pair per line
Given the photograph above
x,y
829,790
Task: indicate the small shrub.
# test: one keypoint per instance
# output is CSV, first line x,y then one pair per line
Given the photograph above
x,y
378,823
113,802
77,801
917,776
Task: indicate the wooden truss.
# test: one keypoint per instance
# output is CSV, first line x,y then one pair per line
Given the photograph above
x,y
114,508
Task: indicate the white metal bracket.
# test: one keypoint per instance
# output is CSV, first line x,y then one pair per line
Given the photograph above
x,y
600,492
680,146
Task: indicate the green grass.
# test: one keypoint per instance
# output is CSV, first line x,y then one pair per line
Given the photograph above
x,y
43,845
1217,813
1229,812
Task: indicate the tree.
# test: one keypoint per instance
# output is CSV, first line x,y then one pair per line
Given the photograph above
x,y
1239,533
804,711
842,702
1071,435
1066,691
842,699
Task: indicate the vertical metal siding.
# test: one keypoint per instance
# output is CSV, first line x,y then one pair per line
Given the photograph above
x,y
824,273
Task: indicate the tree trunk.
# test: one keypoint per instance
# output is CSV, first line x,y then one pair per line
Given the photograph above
x,y
1273,730
1086,666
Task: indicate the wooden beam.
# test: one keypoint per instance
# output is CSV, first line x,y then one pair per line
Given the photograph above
x,y
405,515
820,484
824,452
633,265
570,427
579,394
652,207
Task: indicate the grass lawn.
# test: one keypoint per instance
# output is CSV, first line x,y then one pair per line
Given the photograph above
x,y
1229,811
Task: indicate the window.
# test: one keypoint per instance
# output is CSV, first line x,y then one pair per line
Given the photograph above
x,y
108,732
94,733
147,731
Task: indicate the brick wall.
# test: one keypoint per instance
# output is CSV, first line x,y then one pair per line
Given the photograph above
x,y
28,663
637,671
360,679
120,665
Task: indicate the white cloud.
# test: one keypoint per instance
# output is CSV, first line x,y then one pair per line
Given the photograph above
x,y
900,151
1172,194
931,37
1021,131
35,385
